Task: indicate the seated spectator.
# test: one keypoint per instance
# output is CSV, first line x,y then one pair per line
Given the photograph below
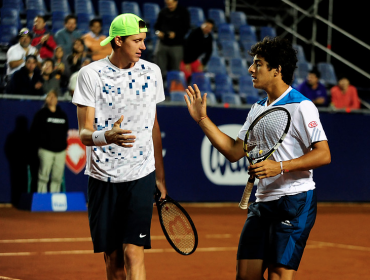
x,y
313,89
50,83
66,36
27,80
74,60
42,39
92,41
62,72
198,43
16,55
73,79
49,130
344,95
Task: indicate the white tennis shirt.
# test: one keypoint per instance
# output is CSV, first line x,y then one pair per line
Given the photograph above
x,y
113,92
305,129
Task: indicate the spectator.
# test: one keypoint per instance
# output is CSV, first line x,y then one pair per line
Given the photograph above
x,y
50,83
66,36
62,72
27,80
313,89
198,43
49,128
92,41
74,60
344,95
42,40
172,24
73,79
16,55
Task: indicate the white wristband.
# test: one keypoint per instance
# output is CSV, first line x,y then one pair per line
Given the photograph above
x,y
281,167
98,138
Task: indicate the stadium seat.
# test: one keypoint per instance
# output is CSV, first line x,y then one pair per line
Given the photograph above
x,y
246,87
300,53
84,6
14,4
106,21
107,8
267,31
31,14
251,99
216,65
176,81
7,33
57,20
230,49
196,16
302,70
247,47
202,80
217,15
177,96
83,22
225,32
223,84
238,67
130,7
10,16
150,12
247,33
231,98
237,19
60,6
327,73
36,5
215,51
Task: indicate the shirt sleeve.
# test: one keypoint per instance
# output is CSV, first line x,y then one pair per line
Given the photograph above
x,y
86,85
307,125
13,55
159,90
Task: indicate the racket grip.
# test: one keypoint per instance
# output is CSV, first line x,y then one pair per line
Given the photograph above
x,y
246,194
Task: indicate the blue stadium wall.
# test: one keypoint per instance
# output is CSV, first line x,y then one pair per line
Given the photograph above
x,y
195,171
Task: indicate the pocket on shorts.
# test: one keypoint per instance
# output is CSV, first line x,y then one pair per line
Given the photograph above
x,y
291,206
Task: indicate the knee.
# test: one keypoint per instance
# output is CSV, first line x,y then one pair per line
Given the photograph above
x,y
134,255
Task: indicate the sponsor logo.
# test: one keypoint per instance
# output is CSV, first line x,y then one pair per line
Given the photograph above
x,y
76,152
59,202
142,235
287,223
312,124
217,168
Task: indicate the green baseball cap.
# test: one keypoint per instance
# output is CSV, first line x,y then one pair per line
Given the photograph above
x,y
124,25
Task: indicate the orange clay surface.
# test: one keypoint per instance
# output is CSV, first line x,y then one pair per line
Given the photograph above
x,y
43,245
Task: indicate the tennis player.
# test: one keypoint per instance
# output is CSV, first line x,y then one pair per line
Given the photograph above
x,y
116,108
279,222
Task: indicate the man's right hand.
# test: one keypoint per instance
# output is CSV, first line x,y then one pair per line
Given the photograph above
x,y
119,136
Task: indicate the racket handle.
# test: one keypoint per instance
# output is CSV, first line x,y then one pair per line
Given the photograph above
x,y
246,194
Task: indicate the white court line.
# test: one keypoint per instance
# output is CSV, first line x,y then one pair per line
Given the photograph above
x,y
319,244
41,240
8,278
17,254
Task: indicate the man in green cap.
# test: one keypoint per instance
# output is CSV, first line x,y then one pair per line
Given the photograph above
x,y
116,101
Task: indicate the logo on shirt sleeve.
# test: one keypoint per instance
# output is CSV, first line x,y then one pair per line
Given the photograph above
x,y
312,124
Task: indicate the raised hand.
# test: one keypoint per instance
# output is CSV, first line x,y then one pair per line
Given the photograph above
x,y
197,105
119,136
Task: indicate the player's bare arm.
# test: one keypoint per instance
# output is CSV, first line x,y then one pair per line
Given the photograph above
x,y
318,156
231,148
116,135
159,167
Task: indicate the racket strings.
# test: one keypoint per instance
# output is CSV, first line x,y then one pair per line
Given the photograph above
x,y
266,133
178,227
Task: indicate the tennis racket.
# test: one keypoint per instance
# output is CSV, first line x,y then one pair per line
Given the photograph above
x,y
177,225
262,139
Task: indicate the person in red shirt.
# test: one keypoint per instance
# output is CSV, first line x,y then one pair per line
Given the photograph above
x,y
42,39
344,95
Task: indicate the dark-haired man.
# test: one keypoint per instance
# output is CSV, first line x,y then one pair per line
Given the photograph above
x,y
42,40
313,89
66,36
279,222
50,83
116,108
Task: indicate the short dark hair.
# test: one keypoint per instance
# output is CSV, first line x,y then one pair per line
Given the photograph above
x,y
68,17
142,24
48,59
91,23
41,16
31,56
277,52
211,21
315,71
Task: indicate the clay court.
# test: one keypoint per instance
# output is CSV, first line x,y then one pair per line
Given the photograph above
x,y
41,245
